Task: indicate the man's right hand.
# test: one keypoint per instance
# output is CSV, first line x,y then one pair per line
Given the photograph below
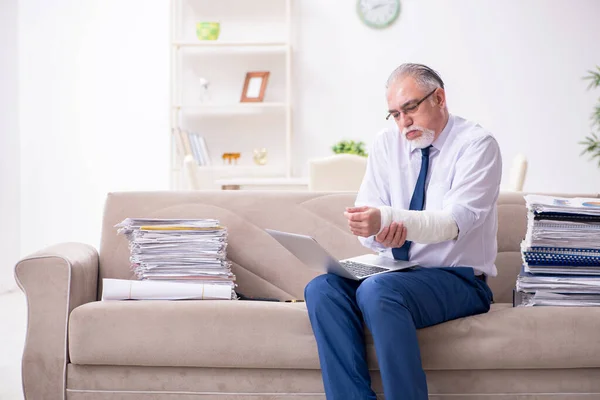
x,y
393,235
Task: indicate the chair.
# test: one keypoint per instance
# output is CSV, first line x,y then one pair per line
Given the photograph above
x,y
518,170
339,173
197,178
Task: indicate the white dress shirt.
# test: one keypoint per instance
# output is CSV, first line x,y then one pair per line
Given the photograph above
x,y
465,168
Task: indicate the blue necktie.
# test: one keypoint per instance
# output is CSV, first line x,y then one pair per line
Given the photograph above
x,y
416,203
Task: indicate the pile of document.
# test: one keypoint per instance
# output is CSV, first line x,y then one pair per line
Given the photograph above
x,y
561,253
174,259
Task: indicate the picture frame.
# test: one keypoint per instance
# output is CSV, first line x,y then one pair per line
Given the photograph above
x,y
255,85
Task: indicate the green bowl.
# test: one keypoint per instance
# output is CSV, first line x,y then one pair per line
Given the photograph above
x,y
208,30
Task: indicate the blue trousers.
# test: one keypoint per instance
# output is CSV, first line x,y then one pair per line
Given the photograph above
x,y
392,306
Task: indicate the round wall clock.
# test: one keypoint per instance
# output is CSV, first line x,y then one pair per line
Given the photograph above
x,y
378,14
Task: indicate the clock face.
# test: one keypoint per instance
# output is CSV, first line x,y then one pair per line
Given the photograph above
x,y
378,13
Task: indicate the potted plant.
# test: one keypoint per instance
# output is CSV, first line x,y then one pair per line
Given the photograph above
x,y
592,142
350,147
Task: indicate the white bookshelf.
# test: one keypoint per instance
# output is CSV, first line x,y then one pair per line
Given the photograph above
x,y
233,109
226,45
255,36
297,184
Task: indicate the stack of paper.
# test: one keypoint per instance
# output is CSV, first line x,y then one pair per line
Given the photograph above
x,y
170,252
561,253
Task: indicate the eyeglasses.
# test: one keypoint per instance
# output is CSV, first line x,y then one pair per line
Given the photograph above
x,y
410,108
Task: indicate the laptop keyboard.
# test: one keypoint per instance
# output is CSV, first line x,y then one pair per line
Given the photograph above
x,y
360,270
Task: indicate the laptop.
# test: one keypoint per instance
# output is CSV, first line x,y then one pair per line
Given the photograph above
x,y
311,253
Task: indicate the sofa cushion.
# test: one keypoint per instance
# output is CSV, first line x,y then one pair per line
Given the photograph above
x,y
248,334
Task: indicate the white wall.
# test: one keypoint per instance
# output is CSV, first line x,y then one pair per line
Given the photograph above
x,y
9,145
94,79
514,66
94,101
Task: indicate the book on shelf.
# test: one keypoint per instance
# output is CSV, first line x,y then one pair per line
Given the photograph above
x,y
204,150
199,149
193,137
191,143
181,142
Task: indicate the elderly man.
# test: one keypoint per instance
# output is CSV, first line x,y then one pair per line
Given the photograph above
x,y
429,195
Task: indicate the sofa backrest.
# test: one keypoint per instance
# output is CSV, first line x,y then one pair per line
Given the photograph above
x,y
264,268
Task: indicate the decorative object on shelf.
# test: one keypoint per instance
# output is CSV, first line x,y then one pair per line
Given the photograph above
x,y
204,93
378,14
208,30
592,142
260,156
231,156
254,86
351,147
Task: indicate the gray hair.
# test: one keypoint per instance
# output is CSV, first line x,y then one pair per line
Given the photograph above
x,y
426,77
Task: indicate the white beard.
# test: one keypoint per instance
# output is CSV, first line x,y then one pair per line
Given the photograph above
x,y
426,138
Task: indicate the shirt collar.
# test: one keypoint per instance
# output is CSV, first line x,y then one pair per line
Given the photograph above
x,y
441,139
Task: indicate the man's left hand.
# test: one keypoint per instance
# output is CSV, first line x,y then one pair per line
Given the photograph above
x,y
363,221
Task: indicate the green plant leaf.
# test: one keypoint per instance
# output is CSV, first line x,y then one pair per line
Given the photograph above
x,y
594,77
349,147
596,115
592,143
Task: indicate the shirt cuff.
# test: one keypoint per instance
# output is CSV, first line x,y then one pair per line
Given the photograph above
x,y
465,219
371,243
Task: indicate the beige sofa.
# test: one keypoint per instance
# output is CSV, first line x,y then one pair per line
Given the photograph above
x,y
82,349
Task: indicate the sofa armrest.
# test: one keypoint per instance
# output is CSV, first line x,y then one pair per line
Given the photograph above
x,y
55,281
